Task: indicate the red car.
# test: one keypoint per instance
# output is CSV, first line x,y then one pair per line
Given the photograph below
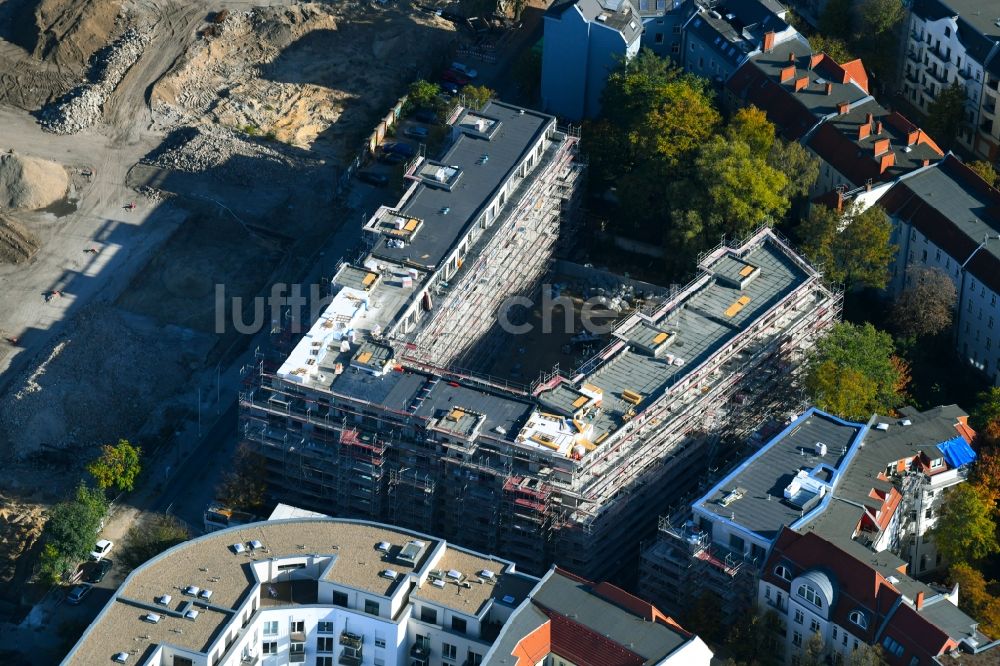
x,y
457,78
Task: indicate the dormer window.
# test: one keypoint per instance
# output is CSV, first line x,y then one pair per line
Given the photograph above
x,y
858,618
810,594
781,571
936,463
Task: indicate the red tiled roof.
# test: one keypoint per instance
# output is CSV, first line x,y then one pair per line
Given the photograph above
x,y
585,647
856,70
791,118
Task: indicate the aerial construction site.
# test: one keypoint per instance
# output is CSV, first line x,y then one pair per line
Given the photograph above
x,y
384,408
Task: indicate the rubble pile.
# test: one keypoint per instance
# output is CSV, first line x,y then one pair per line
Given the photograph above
x,y
229,155
20,527
82,107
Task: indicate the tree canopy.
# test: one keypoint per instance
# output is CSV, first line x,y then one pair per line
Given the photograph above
x,y
926,305
985,171
852,372
834,47
243,488
71,532
975,598
985,417
477,97
965,530
423,94
117,467
150,537
853,247
946,114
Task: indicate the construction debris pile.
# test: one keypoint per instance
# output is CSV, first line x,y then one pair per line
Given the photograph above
x,y
20,527
229,155
63,402
82,106
29,183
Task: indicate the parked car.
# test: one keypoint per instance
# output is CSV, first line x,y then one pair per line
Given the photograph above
x,y
416,132
464,69
428,116
372,178
457,78
391,158
101,550
98,571
400,148
450,88
77,594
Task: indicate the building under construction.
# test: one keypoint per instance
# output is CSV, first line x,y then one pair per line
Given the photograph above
x,y
371,414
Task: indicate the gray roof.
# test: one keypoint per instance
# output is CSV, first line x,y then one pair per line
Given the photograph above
x,y
620,15
763,477
702,326
481,180
506,412
739,29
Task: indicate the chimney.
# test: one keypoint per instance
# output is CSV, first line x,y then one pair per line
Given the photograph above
x,y
878,127
868,185
829,88
920,600
801,83
791,57
815,59
887,160
881,146
769,41
926,162
840,199
869,118
864,131
787,73
913,137
843,107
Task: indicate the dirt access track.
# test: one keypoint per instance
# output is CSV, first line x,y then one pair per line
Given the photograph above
x,y
107,328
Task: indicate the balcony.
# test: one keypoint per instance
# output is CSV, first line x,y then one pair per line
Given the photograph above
x,y
349,658
937,74
419,651
297,657
353,641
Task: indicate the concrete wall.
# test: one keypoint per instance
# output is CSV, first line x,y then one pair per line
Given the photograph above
x,y
607,49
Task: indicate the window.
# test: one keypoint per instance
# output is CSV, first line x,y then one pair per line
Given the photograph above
x,y
371,607
449,651
297,648
767,592
796,639
459,625
297,626
324,627
834,633
271,628
799,617
781,571
379,641
659,38
428,615
736,543
338,598
474,658
324,661
892,646
809,594
676,30
269,647
675,48
813,625
858,618
324,644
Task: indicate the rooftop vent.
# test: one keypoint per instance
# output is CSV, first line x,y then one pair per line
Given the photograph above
x,y
411,552
732,496
454,574
882,426
602,17
487,574
205,594
437,582
191,614
906,422
192,590
238,548
508,599
388,573
820,449
121,657
382,546
163,599
255,544
151,617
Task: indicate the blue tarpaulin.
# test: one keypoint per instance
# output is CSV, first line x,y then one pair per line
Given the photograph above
x,y
957,452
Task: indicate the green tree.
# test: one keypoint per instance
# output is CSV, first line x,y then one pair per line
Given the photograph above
x,y
477,97
244,488
868,655
635,87
704,616
815,648
985,417
680,123
118,466
965,530
800,167
832,46
837,19
423,94
946,114
925,306
853,248
71,531
150,537
527,71
750,125
853,372
985,171
880,16
751,638
975,598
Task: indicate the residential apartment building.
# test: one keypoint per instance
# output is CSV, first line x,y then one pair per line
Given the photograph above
x,y
955,41
873,488
825,105
378,411
569,620
947,217
817,587
586,39
303,588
